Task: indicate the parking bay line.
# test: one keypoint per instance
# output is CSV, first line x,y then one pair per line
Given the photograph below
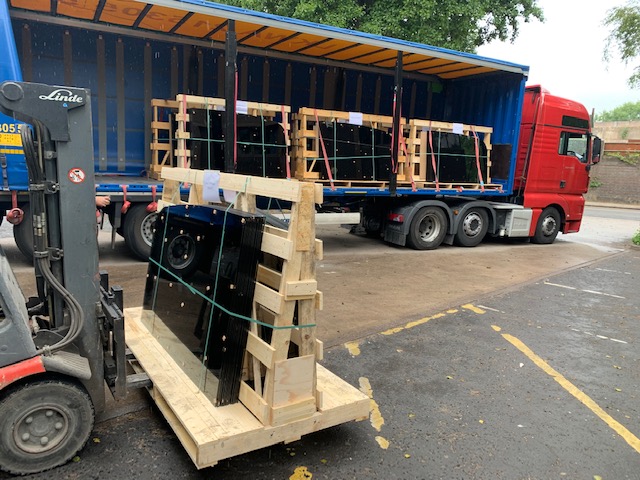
x,y
582,397
581,290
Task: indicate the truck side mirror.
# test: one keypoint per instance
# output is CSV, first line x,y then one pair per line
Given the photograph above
x,y
596,150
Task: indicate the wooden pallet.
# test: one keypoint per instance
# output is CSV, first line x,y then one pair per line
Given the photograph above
x,y
284,392
306,146
418,159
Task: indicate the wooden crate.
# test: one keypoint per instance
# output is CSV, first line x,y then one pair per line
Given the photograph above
x,y
284,392
185,102
306,144
162,136
418,159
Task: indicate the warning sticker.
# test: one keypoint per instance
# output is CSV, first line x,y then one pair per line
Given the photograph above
x,y
10,139
76,175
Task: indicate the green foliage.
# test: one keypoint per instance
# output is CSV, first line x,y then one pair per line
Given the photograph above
x,y
636,238
624,134
595,183
626,111
629,158
624,22
460,25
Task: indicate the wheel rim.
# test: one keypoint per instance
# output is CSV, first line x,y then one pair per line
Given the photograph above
x,y
41,429
549,226
429,228
181,252
146,228
472,225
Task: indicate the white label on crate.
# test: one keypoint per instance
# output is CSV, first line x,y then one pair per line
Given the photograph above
x,y
458,128
229,196
355,118
242,107
211,186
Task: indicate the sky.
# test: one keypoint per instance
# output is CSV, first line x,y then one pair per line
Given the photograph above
x,y
565,52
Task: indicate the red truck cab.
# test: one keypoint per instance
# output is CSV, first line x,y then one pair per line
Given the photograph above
x,y
555,154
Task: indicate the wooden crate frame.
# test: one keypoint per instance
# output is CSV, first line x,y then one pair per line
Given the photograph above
x,y
417,158
161,137
256,109
306,140
282,397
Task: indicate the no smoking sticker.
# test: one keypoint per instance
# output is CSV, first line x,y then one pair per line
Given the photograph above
x,y
76,175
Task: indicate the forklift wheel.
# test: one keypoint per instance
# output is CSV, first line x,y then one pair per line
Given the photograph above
x,y
43,424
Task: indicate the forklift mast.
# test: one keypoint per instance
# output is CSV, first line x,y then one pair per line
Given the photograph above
x,y
58,348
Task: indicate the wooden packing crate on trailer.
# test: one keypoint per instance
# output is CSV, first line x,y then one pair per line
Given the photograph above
x,y
306,147
255,109
418,159
283,395
162,136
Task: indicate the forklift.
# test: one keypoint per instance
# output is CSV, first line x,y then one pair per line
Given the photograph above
x,y
62,350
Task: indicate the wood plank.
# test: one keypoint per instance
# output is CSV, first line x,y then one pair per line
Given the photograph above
x,y
278,246
260,349
268,298
268,187
300,289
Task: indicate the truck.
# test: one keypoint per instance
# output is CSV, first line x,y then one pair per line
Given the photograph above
x,y
130,52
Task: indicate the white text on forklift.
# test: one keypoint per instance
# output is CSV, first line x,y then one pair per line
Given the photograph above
x,y
62,95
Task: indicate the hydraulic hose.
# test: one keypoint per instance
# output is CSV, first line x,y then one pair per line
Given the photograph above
x,y
36,181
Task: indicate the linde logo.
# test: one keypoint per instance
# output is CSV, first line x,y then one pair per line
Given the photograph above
x,y
62,95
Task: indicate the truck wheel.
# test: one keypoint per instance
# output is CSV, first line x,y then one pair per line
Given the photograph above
x,y
472,228
547,227
137,230
428,229
181,253
42,425
23,233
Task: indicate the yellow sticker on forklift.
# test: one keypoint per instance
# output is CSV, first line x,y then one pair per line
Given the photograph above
x,y
10,139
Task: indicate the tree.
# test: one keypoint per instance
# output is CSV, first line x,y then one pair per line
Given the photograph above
x,y
624,22
624,112
460,25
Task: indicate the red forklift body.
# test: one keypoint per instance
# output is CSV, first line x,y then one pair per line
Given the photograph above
x,y
554,154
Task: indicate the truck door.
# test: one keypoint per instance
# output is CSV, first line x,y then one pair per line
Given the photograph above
x,y
573,151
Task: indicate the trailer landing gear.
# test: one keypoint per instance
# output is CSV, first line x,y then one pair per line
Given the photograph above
x,y
43,424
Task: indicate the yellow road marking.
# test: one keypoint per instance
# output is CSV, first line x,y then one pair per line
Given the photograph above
x,y
383,442
375,416
413,324
473,308
353,347
301,473
582,397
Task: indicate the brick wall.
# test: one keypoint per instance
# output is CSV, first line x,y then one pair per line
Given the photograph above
x,y
620,182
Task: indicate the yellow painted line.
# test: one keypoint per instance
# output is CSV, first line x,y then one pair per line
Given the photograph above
x,y
374,410
413,324
301,473
582,397
474,309
353,347
383,442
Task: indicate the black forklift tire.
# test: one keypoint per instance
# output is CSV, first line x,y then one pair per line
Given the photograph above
x,y
23,234
43,424
428,229
548,227
137,230
472,228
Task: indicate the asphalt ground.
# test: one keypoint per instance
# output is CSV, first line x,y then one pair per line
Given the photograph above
x,y
537,382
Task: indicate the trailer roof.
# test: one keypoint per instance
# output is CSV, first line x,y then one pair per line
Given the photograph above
x,y
206,21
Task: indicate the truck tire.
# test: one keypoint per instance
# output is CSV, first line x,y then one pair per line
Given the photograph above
x,y
428,229
472,228
181,253
43,425
137,230
547,227
23,234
